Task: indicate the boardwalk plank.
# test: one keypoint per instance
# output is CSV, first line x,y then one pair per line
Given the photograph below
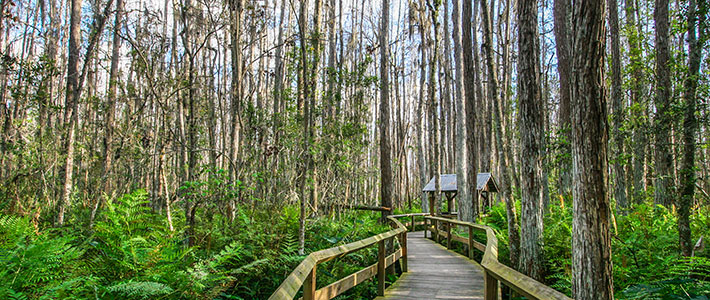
x,y
436,273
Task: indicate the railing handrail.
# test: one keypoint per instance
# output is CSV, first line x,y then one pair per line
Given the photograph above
x,y
494,270
299,276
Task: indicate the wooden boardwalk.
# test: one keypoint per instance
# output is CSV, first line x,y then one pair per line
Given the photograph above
x,y
436,273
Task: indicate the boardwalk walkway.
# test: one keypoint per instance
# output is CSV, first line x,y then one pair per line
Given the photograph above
x,y
436,273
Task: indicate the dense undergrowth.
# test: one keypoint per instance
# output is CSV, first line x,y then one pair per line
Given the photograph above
x,y
131,254
645,252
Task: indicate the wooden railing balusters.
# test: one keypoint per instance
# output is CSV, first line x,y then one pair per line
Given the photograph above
x,y
436,230
448,236
426,227
304,275
403,244
309,286
491,286
495,272
381,268
470,242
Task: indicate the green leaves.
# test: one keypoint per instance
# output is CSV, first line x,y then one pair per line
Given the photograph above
x,y
33,264
139,290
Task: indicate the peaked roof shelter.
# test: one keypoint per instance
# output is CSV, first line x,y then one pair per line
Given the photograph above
x,y
485,184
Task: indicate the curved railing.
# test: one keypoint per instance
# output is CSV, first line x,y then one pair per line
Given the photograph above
x,y
494,271
304,275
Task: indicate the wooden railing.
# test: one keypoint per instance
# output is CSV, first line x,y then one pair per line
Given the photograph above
x,y
305,273
495,271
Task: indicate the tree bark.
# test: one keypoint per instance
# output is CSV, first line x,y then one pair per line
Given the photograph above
x,y
434,109
562,11
471,113
110,111
638,111
690,126
75,82
532,135
618,111
591,240
70,114
420,121
663,189
461,153
236,10
385,155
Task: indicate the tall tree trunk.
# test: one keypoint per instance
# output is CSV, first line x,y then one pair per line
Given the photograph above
x,y
591,239
110,110
470,97
500,128
532,135
491,87
562,11
663,188
618,114
461,154
75,82
71,116
690,125
420,121
312,95
639,137
434,109
385,155
236,9
303,99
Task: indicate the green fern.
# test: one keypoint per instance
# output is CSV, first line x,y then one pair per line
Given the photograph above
x,y
289,244
139,290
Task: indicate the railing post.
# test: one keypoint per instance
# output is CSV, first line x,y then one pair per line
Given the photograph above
x,y
381,268
426,226
309,286
436,230
403,244
389,249
448,235
470,242
491,287
414,225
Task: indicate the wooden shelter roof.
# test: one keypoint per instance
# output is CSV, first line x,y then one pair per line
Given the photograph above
x,y
484,182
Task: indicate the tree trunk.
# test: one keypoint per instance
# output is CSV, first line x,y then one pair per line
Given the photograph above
x,y
110,110
461,154
562,12
617,99
385,155
302,94
236,9
663,193
421,147
70,114
690,126
469,96
434,109
485,141
532,135
75,82
591,239
638,111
